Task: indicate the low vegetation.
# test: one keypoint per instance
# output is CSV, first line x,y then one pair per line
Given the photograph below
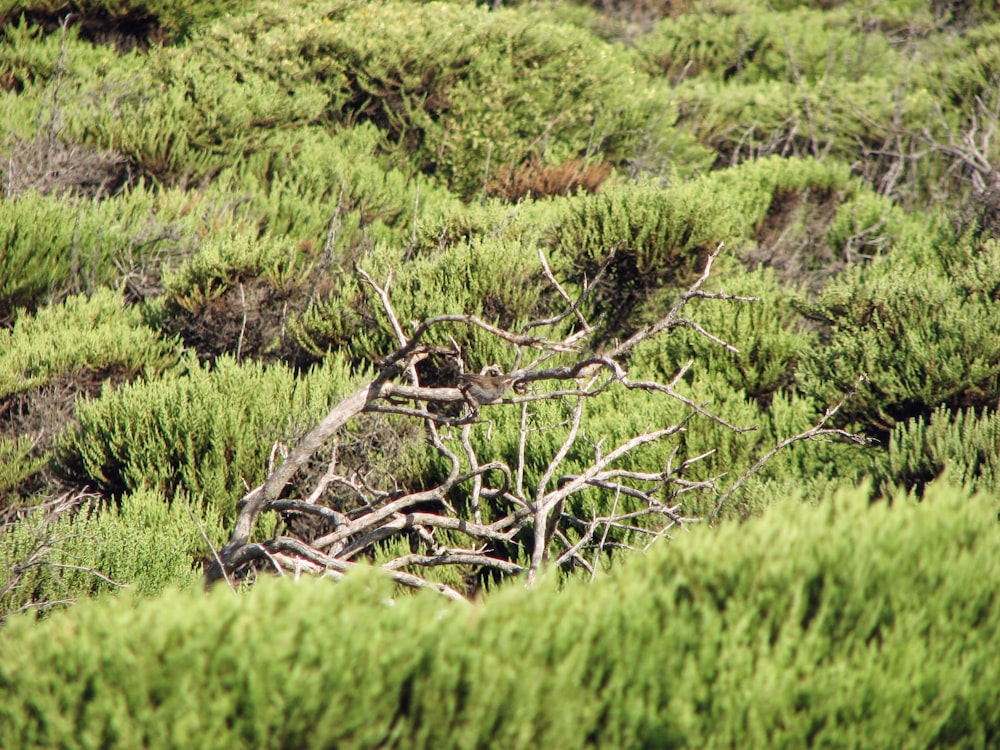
x,y
717,254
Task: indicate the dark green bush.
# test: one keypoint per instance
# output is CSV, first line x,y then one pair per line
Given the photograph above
x,y
922,323
837,626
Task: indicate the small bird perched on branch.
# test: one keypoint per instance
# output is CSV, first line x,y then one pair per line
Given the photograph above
x,y
484,389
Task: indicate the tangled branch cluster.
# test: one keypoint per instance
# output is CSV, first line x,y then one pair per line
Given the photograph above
x,y
535,518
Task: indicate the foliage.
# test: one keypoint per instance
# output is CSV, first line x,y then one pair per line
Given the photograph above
x,y
143,544
336,192
965,444
82,338
659,236
920,323
831,625
800,44
766,333
458,91
28,56
64,350
496,280
223,166
52,247
174,17
18,461
205,433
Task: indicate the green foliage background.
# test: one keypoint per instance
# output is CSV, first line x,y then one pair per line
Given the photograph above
x,y
187,186
814,625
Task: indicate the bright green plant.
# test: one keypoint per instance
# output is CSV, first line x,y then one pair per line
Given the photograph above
x,y
828,625
143,544
82,338
206,432
921,323
963,443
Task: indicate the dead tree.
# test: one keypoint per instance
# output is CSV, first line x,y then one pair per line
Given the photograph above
x,y
533,518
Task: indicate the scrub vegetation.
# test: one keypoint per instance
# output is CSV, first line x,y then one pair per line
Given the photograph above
x,y
684,314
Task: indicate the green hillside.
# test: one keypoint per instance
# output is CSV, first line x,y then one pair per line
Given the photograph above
x,y
490,295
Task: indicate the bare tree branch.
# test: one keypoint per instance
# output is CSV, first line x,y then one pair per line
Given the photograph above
x,y
817,430
481,514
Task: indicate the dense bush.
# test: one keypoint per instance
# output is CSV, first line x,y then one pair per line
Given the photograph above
x,y
177,173
144,545
51,246
205,432
921,323
838,625
81,338
964,443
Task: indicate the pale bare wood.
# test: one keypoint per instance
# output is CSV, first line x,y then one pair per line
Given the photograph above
x,y
645,502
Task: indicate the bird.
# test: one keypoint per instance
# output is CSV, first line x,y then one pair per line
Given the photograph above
x,y
484,389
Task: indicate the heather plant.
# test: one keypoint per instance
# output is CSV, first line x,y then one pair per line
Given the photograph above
x,y
833,623
204,432
919,322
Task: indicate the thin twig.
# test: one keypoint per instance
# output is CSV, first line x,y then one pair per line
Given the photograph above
x,y
817,430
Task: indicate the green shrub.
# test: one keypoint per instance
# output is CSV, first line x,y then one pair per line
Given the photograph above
x,y
963,443
499,281
205,432
174,17
766,333
661,235
337,192
759,45
84,339
51,246
206,113
143,544
64,350
839,625
460,91
28,56
922,323
19,460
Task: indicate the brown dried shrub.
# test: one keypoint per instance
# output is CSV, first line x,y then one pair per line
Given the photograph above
x,y
47,164
540,180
